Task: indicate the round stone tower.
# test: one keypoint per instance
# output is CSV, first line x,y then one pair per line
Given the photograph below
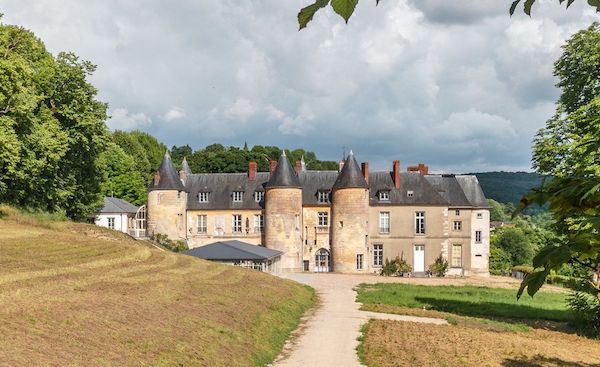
x,y
349,219
167,201
283,215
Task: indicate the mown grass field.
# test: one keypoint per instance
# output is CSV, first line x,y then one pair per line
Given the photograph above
x,y
76,294
488,327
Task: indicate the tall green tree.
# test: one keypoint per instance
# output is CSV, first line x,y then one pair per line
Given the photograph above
x,y
52,127
569,149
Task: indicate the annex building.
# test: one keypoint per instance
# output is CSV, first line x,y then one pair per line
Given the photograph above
x,y
349,220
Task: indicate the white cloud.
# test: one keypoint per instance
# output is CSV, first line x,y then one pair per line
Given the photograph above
x,y
175,113
122,119
457,86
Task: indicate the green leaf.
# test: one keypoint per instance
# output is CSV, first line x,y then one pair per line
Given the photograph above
x,y
527,6
595,3
533,282
513,6
306,14
569,3
344,8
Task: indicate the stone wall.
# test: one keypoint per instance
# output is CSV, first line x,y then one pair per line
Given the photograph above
x,y
166,213
219,227
283,225
349,229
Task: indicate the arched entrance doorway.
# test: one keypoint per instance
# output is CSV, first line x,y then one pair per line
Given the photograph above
x,y
322,261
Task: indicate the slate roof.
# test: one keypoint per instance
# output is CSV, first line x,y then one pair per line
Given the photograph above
x,y
220,188
185,166
232,251
284,175
423,192
116,205
169,178
351,175
314,181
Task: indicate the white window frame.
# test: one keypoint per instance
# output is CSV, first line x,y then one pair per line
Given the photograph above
x,y
237,196
360,261
410,193
112,221
259,196
259,223
202,223
203,197
457,225
384,195
384,222
378,254
323,197
477,236
236,223
323,219
420,223
456,260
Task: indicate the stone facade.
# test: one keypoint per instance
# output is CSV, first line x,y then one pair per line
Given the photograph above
x,y
322,225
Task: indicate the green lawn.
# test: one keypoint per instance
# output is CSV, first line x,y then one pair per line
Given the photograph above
x,y
468,301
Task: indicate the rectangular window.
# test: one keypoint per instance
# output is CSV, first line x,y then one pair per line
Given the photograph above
x,y
410,193
323,197
384,222
384,196
457,212
377,255
111,222
479,215
457,256
259,196
203,197
457,226
236,223
420,222
259,223
477,236
201,223
359,262
323,219
238,196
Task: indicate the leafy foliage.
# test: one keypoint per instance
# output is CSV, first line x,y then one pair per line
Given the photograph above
x,y
345,8
568,148
395,267
164,241
439,268
586,310
52,129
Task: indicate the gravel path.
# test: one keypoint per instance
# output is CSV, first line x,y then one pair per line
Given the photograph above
x,y
328,336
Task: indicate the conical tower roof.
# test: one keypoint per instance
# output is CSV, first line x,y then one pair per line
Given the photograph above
x,y
351,176
168,176
284,175
185,167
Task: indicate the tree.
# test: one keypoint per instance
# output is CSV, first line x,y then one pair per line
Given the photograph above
x,y
345,8
52,128
514,242
569,149
121,179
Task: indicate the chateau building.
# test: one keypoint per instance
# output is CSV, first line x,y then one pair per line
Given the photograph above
x,y
349,220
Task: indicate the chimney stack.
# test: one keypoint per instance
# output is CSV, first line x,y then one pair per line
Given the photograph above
x,y
423,169
272,165
365,170
397,174
252,171
298,168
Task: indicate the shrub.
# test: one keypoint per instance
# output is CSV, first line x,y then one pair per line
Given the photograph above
x,y
500,261
163,241
525,269
396,267
439,268
586,311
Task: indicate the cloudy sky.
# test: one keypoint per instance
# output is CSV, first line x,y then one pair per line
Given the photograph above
x,y
456,84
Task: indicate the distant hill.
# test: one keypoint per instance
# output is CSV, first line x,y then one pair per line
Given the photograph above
x,y
507,187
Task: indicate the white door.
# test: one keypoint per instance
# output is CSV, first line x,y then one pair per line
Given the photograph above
x,y
419,259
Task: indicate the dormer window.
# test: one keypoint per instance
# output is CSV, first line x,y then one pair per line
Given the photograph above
x,y
203,197
238,196
410,193
323,197
384,196
259,196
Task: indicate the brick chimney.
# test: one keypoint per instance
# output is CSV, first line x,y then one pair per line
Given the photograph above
x,y
252,171
272,165
365,170
412,169
298,168
423,169
396,173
